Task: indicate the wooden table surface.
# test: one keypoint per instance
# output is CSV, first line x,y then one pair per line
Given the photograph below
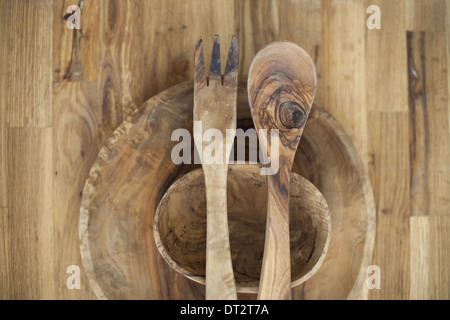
x,y
63,92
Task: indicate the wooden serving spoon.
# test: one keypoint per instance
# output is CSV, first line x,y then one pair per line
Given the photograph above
x,y
281,89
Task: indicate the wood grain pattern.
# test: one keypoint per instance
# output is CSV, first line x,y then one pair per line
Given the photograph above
x,y
180,226
388,138
430,275
126,248
426,15
75,56
29,94
255,17
427,60
436,77
419,123
281,88
32,176
122,259
429,175
76,116
379,66
150,49
115,27
389,174
336,86
301,22
3,106
6,283
215,108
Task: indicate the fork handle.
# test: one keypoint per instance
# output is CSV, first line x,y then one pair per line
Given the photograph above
x,y
220,283
275,281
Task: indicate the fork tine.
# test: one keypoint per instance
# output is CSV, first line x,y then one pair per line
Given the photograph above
x,y
199,62
214,73
231,69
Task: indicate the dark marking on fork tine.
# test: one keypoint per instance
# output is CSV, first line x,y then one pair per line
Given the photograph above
x,y
214,73
231,69
199,62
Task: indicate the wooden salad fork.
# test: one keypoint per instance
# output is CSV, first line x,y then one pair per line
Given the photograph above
x,y
281,89
215,108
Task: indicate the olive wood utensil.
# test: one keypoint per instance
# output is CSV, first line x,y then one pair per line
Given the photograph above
x,y
281,89
215,106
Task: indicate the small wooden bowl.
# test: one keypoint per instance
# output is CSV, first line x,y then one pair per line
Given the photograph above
x,y
180,226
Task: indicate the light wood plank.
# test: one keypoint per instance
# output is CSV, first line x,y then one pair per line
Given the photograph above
x,y
425,15
6,285
389,174
3,105
447,44
386,59
301,23
29,61
76,116
75,55
388,123
438,105
30,225
257,25
430,263
166,33
343,85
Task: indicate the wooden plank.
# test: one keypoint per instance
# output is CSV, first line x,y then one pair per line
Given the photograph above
x,y
166,32
388,125
6,284
429,131
115,29
29,63
76,116
343,85
389,174
430,263
386,59
419,124
301,22
75,55
30,220
438,104
141,41
425,15
217,17
3,105
257,25
447,43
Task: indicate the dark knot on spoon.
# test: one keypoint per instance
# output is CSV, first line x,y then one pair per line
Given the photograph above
x,y
291,115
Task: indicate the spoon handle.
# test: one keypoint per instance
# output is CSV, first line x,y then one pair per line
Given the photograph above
x,y
275,282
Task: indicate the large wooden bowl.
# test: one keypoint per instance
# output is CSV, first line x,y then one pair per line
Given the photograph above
x,y
134,170
180,226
